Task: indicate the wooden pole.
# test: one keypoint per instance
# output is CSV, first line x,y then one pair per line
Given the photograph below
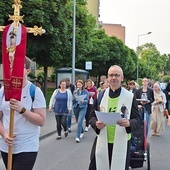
x,y
11,128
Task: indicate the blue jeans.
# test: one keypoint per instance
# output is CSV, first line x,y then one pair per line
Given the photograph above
x,y
80,115
168,105
145,113
69,120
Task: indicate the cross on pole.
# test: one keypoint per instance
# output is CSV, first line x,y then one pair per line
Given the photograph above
x,y
16,18
11,49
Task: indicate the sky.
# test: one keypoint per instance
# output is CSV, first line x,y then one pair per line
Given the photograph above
x,y
140,17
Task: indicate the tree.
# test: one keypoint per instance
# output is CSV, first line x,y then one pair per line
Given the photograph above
x,y
166,70
153,62
107,51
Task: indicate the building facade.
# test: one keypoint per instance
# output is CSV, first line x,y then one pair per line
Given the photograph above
x,y
116,30
93,8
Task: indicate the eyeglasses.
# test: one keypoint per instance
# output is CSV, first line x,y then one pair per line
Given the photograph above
x,y
114,75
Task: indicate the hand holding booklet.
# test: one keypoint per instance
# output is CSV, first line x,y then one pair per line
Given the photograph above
x,y
108,118
80,98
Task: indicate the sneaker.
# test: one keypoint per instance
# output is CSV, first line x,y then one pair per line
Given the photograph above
x,y
58,137
86,129
81,135
77,140
89,126
66,134
69,130
157,134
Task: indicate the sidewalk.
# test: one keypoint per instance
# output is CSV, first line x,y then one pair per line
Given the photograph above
x,y
49,127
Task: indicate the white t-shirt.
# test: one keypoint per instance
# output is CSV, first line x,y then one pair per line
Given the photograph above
x,y
27,134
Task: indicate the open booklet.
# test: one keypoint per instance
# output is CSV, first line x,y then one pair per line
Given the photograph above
x,y
91,93
80,98
108,118
142,100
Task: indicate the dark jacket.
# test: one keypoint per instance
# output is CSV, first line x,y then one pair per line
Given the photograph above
x,y
150,96
72,87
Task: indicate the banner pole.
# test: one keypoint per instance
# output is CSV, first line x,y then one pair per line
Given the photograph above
x,y
11,129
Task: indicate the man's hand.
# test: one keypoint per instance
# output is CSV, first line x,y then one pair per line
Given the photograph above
x,y
139,107
15,105
9,141
124,122
100,125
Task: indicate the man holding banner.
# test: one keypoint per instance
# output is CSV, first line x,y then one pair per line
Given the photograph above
x,y
29,115
111,146
22,108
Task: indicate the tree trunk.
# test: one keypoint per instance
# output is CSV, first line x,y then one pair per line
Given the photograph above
x,y
45,81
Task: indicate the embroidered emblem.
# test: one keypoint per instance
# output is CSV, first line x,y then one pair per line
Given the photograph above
x,y
124,111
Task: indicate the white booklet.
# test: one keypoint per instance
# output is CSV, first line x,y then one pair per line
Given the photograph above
x,y
91,93
108,118
80,98
142,100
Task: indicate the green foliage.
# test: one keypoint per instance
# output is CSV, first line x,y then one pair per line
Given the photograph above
x,y
40,78
166,59
151,61
166,79
53,77
31,75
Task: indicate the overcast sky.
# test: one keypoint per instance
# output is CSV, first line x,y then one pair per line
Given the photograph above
x,y
140,17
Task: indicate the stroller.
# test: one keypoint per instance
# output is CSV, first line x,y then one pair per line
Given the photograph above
x,y
140,148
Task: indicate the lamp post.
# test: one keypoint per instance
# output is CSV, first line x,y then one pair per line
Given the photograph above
x,y
74,35
137,69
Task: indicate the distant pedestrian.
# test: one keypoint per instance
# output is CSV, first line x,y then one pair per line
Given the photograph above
x,y
168,96
146,94
158,106
92,95
132,87
61,102
80,107
71,87
101,86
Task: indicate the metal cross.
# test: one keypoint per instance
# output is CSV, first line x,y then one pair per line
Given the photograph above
x,y
16,18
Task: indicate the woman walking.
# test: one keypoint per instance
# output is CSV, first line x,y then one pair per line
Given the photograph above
x,y
158,106
92,91
80,101
61,101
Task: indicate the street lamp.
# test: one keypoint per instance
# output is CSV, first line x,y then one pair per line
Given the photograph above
x,y
137,69
74,40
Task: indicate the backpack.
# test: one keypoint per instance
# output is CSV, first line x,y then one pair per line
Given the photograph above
x,y
32,91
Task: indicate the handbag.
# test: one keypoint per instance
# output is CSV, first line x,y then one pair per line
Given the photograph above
x,y
166,113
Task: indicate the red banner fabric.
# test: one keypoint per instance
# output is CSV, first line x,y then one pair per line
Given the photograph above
x,y
13,79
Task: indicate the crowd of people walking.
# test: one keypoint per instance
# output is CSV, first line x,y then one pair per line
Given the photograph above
x,y
65,102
